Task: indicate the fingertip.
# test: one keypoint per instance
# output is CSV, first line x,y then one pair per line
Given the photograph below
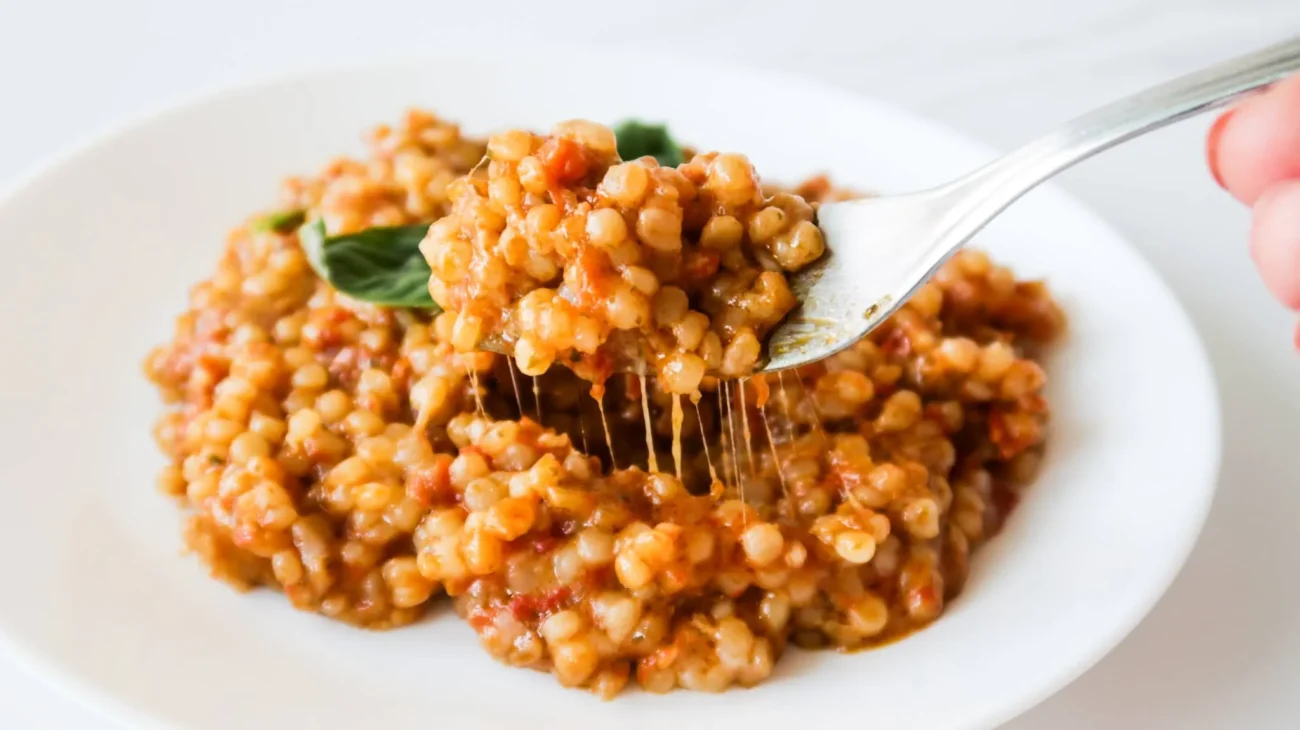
x,y
1275,241
1212,145
1258,143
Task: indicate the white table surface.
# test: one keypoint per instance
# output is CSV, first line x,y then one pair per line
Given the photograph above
x,y
1222,649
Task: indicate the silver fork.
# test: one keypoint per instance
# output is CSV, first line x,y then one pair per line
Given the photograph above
x,y
880,250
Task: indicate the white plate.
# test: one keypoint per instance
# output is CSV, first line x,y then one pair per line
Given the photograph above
x,y
102,245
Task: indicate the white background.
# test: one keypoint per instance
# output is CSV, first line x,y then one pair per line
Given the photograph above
x,y
1223,647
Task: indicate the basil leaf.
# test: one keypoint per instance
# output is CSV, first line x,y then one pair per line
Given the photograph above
x,y
638,139
378,265
281,222
311,238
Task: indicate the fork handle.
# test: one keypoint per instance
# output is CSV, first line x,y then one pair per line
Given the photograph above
x,y
1138,114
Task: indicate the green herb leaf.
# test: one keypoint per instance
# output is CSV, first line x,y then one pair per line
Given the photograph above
x,y
378,265
638,139
281,222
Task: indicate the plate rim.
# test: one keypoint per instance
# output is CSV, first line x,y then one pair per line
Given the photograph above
x,y
101,701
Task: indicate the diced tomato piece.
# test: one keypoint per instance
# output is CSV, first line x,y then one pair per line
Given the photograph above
x,y
553,599
896,344
701,265
564,160
595,578
598,368
346,365
592,276
433,486
676,578
528,606
844,476
660,658
924,602
523,606
479,619
762,391
401,373
1012,432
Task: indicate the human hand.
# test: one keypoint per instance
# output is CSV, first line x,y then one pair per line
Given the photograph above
x,y
1254,153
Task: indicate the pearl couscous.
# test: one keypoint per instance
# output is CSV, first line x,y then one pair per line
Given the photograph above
x,y
369,462
563,251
